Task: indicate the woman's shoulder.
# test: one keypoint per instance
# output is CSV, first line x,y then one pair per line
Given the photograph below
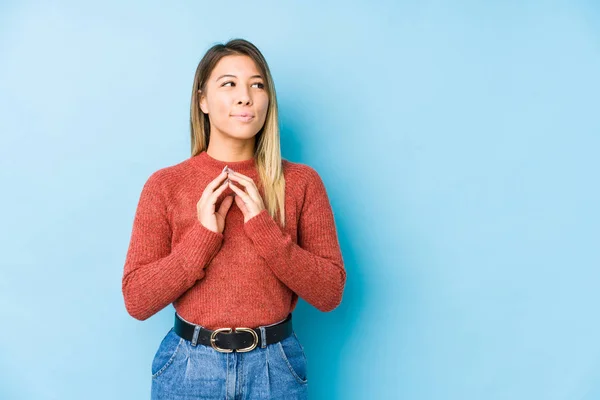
x,y
300,175
298,169
169,175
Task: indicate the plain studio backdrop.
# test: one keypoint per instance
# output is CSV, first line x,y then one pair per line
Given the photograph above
x,y
459,142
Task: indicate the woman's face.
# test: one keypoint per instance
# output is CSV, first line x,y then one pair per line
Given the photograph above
x,y
235,98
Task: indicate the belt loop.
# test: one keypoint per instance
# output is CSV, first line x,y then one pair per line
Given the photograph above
x,y
196,333
263,337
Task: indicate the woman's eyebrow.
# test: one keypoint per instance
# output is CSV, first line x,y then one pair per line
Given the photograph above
x,y
233,76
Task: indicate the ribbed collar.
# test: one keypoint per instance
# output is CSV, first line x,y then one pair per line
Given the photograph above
x,y
214,167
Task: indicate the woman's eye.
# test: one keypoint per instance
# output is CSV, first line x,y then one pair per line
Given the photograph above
x,y
260,84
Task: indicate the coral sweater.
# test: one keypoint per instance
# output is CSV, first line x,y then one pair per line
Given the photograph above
x,y
249,275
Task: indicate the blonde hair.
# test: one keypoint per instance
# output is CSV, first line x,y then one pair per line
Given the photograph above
x,y
267,149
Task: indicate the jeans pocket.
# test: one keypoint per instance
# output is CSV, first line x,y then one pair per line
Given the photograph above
x,y
166,353
292,353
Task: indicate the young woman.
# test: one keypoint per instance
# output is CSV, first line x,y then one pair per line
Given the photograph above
x,y
232,236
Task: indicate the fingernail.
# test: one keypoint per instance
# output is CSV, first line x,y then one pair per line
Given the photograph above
x,y
224,169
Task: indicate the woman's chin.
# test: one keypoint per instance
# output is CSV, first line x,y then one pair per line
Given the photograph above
x,y
242,133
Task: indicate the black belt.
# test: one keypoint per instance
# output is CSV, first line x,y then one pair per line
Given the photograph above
x,y
226,340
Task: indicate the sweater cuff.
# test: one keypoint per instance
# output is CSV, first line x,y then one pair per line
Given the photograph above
x,y
199,246
265,233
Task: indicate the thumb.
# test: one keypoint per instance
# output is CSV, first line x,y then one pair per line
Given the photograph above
x,y
225,205
240,203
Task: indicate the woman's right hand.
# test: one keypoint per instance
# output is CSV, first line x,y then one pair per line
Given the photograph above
x,y
215,221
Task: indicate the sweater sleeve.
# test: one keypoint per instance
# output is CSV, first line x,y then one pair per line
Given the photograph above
x,y
155,274
313,268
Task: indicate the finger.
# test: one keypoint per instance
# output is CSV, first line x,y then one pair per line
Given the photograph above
x,y
215,195
214,184
212,198
248,184
241,205
243,195
239,175
225,205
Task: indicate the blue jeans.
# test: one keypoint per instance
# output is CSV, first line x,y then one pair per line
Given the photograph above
x,y
274,371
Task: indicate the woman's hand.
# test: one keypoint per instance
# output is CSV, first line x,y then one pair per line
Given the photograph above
x,y
206,205
248,201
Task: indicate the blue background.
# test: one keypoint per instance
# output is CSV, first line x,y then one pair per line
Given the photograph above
x,y
458,141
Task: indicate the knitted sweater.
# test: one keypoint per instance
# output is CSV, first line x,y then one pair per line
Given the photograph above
x,y
249,275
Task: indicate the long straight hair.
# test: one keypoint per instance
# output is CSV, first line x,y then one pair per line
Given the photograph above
x,y
267,151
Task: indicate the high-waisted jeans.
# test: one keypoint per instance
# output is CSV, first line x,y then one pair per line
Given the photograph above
x,y
183,371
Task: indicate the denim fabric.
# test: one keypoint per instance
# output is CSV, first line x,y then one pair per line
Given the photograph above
x,y
183,371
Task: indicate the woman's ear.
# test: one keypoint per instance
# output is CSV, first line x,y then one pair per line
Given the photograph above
x,y
202,102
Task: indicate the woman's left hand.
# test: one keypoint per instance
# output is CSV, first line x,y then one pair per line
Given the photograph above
x,y
248,201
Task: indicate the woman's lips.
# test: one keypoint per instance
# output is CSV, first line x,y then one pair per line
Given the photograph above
x,y
243,118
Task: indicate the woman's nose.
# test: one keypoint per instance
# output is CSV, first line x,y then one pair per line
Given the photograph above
x,y
244,96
